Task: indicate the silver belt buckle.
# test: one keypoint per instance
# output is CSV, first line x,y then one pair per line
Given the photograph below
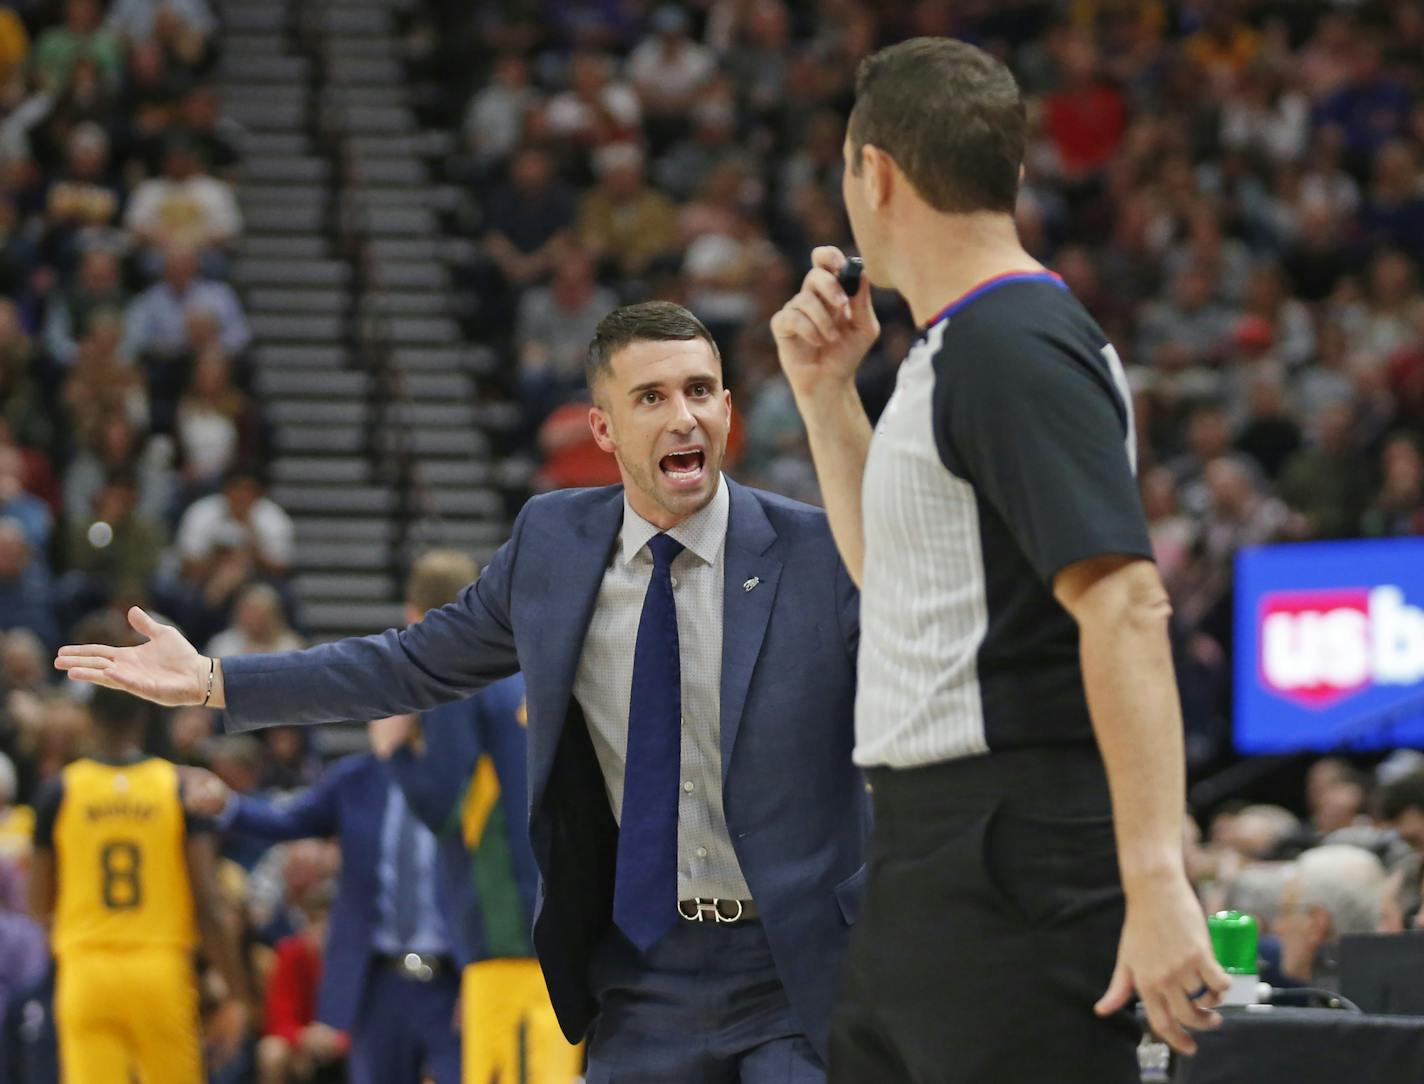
x,y
704,910
414,966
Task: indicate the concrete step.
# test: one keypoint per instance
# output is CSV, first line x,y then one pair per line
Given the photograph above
x,y
249,271
280,247
326,301
318,439
348,585
379,500
356,618
281,327
275,383
305,356
321,469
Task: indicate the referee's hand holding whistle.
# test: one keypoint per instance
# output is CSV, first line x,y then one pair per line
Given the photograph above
x,y
821,334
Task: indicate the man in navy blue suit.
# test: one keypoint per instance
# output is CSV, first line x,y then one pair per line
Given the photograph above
x,y
390,976
689,648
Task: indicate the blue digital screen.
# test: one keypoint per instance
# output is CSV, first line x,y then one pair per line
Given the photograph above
x,y
1329,646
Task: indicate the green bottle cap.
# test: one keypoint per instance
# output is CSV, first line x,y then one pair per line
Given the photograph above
x,y
1233,939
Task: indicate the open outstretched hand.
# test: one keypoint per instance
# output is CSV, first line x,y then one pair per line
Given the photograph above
x,y
166,670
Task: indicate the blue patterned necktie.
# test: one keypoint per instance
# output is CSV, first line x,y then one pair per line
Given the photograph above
x,y
645,888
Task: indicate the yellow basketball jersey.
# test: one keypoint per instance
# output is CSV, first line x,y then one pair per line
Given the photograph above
x,y
122,873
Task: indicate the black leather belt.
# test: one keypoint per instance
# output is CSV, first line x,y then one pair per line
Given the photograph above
x,y
415,966
704,909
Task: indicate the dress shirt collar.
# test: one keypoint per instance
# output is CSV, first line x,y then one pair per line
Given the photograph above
x,y
702,533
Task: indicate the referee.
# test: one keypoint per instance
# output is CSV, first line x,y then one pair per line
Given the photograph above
x,y
1017,713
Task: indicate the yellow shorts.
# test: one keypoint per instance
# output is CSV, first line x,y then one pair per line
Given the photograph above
x,y
125,1014
510,1034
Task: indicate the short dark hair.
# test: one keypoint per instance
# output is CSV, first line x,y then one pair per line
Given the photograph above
x,y
951,117
118,712
1402,795
647,321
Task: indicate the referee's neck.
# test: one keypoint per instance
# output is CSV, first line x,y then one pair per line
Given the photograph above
x,y
952,255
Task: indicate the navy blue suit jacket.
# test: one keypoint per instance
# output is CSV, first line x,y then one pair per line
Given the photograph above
x,y
348,802
796,806
435,785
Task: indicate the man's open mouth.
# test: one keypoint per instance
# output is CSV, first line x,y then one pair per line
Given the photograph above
x,y
683,466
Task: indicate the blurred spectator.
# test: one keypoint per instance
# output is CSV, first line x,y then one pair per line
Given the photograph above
x,y
185,206
14,46
216,425
555,325
1292,332
189,731
623,223
1270,435
494,121
291,762
1398,508
530,217
668,69
102,381
96,293
140,20
116,544
259,624
596,108
1332,891
1370,108
24,509
1394,213
157,323
21,404
1186,328
1085,116
200,120
80,37
1330,480
1402,808
83,199
111,444
296,1048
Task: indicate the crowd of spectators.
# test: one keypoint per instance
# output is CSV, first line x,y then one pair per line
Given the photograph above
x,y
1235,190
130,450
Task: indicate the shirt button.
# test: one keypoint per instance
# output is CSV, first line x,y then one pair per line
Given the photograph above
x,y
687,786
701,852
673,579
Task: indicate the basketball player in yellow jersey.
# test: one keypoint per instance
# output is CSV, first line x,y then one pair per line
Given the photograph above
x,y
125,883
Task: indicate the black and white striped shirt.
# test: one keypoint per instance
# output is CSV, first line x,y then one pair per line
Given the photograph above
x,y
1005,454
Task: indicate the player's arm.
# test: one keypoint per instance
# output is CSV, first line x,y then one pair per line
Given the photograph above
x,y
44,878
1122,610
43,886
454,651
220,928
821,338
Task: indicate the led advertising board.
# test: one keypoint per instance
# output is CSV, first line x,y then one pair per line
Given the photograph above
x,y
1329,651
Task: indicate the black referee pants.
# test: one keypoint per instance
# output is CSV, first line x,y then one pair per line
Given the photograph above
x,y
989,929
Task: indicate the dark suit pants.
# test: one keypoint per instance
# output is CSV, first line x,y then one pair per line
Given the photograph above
x,y
406,1025
703,1006
990,927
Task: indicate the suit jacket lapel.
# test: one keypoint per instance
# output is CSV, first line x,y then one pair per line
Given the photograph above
x,y
746,610
577,570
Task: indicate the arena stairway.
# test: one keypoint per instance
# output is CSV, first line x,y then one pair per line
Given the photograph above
x,y
381,447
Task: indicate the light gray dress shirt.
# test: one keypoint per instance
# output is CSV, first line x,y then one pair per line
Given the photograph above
x,y
706,862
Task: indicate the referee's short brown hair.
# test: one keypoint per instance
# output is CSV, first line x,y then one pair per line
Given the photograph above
x,y
647,321
438,577
950,115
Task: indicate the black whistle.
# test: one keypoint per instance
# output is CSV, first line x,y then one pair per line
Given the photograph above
x,y
849,276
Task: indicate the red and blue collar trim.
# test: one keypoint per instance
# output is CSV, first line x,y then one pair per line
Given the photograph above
x,y
994,283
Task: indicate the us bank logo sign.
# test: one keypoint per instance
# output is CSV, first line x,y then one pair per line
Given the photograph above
x,y
1330,646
